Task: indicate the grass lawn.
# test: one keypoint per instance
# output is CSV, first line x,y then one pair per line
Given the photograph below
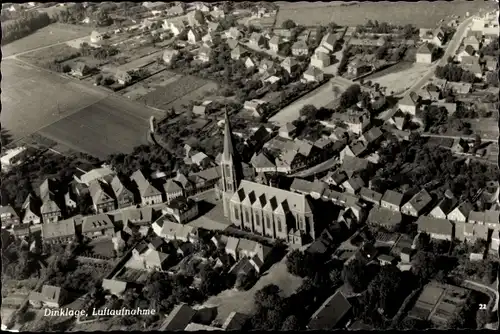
x,y
243,301
422,14
51,34
103,248
43,56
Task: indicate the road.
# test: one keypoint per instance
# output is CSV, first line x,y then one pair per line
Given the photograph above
x,y
457,137
480,285
451,49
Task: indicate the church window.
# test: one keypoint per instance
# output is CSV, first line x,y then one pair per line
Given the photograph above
x,y
257,220
268,222
247,216
236,213
280,227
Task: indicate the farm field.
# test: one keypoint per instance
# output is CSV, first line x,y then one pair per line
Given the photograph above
x,y
112,125
422,14
51,34
144,87
162,97
242,301
33,98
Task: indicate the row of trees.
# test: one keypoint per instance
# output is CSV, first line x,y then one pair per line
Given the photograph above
x,y
26,24
454,73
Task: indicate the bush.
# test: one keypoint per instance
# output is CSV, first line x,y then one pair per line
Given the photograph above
x,y
25,25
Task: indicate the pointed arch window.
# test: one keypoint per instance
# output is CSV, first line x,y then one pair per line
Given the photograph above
x,y
280,226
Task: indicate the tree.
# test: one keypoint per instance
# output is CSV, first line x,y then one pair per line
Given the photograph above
x,y
288,24
424,265
408,31
309,111
211,281
381,52
350,96
291,323
355,275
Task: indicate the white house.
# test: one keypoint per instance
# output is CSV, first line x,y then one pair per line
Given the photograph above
x,y
313,74
424,54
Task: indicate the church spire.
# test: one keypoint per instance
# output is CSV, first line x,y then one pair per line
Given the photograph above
x,y
229,149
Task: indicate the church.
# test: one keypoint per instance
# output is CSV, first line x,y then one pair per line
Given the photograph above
x,y
261,209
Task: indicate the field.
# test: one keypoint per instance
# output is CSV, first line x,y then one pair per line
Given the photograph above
x,y
43,56
399,78
163,96
242,301
422,14
51,34
33,98
112,125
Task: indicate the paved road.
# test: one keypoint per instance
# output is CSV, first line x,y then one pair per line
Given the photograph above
x,y
451,49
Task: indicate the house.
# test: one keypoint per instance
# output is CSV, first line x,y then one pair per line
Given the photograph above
x,y
177,27
353,185
235,321
372,136
275,43
205,54
475,69
370,196
289,64
154,260
329,42
232,43
313,74
194,35
210,39
358,67
355,122
122,77
149,194
287,131
256,253
459,146
165,228
114,287
320,60
8,216
440,229
234,33
31,209
266,65
470,232
262,163
184,210
300,48
335,179
50,209
353,165
409,104
179,318
424,54
21,230
392,200
461,212
492,219
490,63
196,18
124,197
96,226
51,296
256,107
417,204
332,314
472,41
217,13
468,51
169,55
385,259
80,69
70,198
314,189
379,216
60,232
202,110
102,197
250,63
103,174
176,10
238,52
257,40
96,37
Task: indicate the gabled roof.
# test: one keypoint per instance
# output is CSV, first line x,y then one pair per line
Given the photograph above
x,y
299,45
425,49
447,204
99,192
329,38
155,258
235,321
62,229
114,286
96,223
434,225
171,186
373,134
314,71
49,204
370,195
179,318
117,186
8,210
276,40
49,293
420,200
465,208
145,188
289,62
392,197
383,216
330,313
261,161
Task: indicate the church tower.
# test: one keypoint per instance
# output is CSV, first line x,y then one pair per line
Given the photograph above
x,y
231,169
